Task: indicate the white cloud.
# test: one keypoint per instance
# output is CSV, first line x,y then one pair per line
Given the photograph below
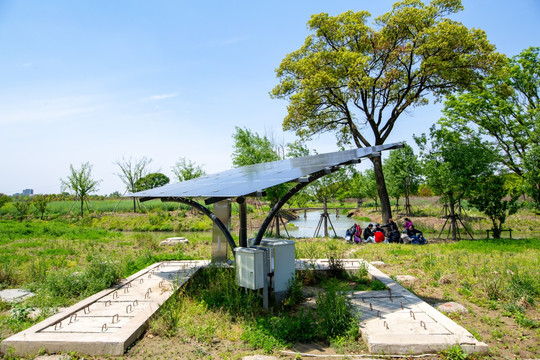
x,y
162,96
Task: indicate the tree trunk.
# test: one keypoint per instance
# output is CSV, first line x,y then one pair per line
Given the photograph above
x,y
82,206
496,229
453,222
381,188
134,205
359,202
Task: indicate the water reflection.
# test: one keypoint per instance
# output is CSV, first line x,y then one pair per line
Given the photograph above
x,y
307,226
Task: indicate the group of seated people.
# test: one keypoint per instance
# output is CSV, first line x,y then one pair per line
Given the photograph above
x,y
410,234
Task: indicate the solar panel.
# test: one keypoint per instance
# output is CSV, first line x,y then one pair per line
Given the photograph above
x,y
251,179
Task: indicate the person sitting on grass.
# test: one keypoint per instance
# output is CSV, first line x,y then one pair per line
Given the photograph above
x,y
378,234
407,224
416,236
393,231
369,236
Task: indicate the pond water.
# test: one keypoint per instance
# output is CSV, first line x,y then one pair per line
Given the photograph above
x,y
306,226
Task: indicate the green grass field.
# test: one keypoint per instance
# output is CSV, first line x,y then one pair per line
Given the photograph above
x,y
66,259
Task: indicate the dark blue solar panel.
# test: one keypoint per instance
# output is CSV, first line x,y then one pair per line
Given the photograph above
x,y
250,179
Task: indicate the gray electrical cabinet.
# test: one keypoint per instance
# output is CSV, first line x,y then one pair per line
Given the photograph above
x,y
281,264
250,268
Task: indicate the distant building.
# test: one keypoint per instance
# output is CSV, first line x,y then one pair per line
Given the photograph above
x,y
26,192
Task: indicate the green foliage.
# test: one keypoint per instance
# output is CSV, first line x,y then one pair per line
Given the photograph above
x,y
4,199
67,284
349,76
80,183
454,166
10,230
22,208
490,198
364,185
506,109
218,289
294,294
335,313
454,353
8,275
281,330
132,171
41,202
401,168
185,169
250,148
151,181
260,338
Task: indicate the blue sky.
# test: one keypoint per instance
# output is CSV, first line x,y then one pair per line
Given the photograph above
x,y
100,80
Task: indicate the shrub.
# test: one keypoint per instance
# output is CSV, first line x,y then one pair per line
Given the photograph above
x,y
67,284
335,313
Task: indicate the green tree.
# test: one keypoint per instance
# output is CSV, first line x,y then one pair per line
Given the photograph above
x,y
250,148
185,169
22,208
491,198
151,181
131,170
41,202
531,164
363,186
401,168
507,109
349,76
4,199
80,183
453,166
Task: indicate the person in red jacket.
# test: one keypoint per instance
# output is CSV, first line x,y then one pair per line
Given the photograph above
x,y
379,234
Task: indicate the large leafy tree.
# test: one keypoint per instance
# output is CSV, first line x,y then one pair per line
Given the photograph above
x,y
131,170
507,109
356,80
80,183
496,200
454,166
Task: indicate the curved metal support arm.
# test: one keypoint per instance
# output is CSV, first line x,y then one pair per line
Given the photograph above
x,y
208,213
282,202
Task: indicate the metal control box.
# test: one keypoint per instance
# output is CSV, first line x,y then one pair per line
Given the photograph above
x,y
250,268
281,264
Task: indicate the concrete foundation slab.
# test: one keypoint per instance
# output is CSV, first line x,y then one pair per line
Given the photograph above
x,y
108,322
396,321
15,295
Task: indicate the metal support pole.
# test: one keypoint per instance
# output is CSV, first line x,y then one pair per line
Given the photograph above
x,y
325,214
266,271
242,212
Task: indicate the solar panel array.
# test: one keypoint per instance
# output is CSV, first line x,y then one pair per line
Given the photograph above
x,y
251,179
